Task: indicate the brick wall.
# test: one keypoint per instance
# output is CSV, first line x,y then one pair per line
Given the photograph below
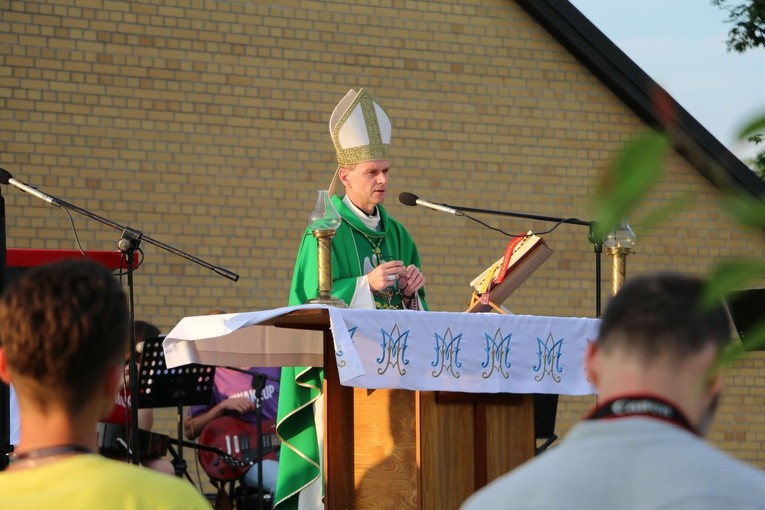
x,y
204,125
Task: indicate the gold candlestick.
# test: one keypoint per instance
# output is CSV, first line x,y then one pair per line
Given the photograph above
x,y
324,223
619,244
618,267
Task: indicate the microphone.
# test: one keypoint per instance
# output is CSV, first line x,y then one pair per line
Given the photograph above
x,y
412,200
7,178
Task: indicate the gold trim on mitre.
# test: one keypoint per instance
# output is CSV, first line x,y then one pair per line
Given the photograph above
x,y
360,128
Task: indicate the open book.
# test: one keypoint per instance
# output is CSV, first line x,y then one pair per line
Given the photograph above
x,y
523,255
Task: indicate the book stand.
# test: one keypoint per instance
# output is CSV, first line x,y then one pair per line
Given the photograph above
x,y
486,298
159,386
478,303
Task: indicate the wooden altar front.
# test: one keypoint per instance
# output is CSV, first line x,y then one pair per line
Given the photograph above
x,y
407,449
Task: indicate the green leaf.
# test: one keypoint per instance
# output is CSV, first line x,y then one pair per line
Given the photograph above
x,y
635,171
730,275
745,210
753,338
665,211
754,127
729,355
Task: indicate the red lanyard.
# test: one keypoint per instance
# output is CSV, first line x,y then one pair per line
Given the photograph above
x,y
626,407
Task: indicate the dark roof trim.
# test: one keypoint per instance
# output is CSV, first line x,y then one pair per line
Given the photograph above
x,y
646,98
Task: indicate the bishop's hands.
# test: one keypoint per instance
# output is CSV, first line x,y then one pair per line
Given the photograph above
x,y
410,282
408,279
386,274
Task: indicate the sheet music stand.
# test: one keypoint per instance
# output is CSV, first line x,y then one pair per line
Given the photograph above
x,y
159,386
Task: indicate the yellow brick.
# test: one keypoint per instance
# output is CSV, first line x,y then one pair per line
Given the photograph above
x,y
206,124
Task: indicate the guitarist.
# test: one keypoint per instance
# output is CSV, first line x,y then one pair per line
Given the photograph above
x,y
234,394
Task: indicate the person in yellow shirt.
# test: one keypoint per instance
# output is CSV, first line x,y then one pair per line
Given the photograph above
x,y
63,332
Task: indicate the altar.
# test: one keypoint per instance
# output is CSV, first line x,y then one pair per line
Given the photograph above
x,y
422,408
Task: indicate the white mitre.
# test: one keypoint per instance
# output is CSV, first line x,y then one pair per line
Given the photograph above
x,y
360,128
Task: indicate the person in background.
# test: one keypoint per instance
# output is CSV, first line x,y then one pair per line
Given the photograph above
x,y
655,367
121,414
14,417
235,395
63,332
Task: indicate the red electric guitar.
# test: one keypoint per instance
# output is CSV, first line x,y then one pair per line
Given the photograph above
x,y
237,441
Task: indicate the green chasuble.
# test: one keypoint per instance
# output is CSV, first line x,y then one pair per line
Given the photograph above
x,y
356,250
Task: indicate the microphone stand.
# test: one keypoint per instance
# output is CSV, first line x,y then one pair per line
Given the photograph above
x,y
5,390
129,242
258,383
597,243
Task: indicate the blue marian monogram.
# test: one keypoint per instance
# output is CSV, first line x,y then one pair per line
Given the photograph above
x,y
548,358
393,351
497,354
339,354
447,349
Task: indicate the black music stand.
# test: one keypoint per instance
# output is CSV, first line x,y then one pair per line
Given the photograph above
x,y
258,383
159,386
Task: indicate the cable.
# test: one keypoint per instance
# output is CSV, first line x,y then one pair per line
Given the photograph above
x,y
558,224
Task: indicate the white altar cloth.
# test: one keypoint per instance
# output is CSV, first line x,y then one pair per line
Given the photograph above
x,y
426,351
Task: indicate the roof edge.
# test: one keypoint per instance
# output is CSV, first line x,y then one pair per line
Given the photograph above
x,y
643,95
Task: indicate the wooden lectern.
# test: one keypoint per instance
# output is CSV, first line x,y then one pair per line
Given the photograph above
x,y
401,449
